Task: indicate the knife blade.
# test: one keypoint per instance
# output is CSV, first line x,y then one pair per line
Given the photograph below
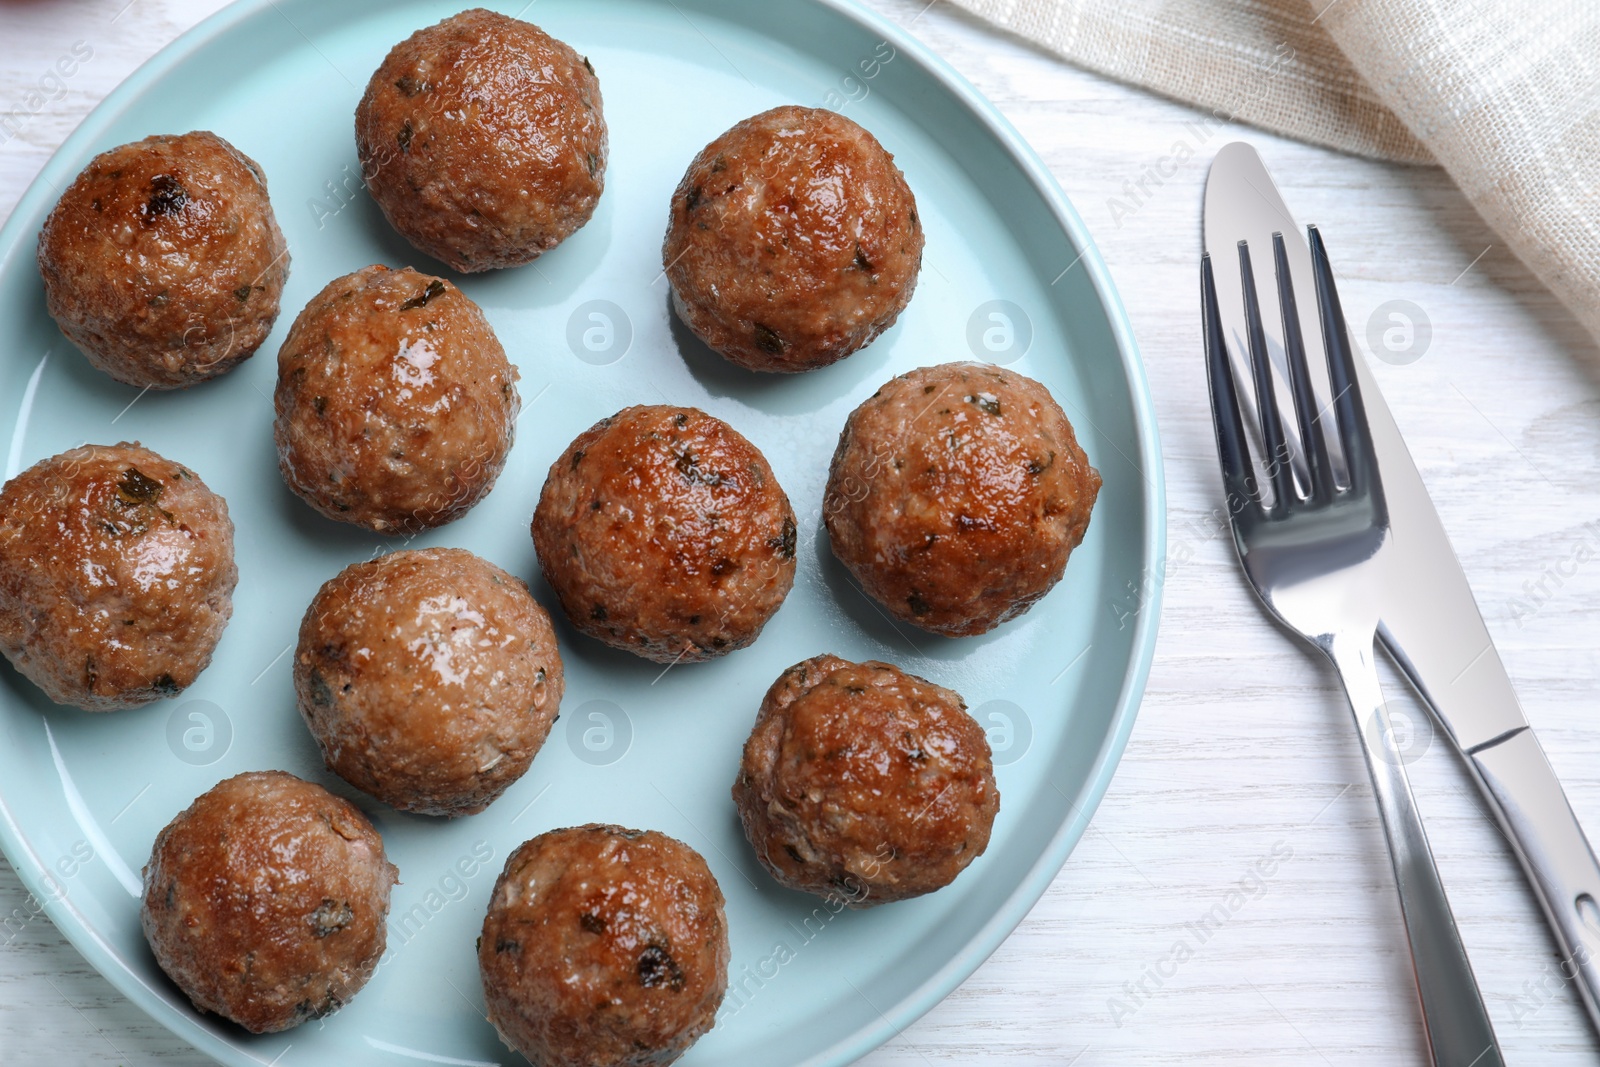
x,y
1429,621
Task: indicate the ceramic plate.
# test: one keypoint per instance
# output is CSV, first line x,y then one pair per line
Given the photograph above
x,y
1009,276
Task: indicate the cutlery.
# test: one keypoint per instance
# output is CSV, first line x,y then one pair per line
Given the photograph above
x,y
1312,551
1428,620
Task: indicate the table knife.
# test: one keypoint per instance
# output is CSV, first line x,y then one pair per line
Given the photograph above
x,y
1430,624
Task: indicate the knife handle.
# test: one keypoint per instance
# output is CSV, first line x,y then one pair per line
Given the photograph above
x,y
1532,808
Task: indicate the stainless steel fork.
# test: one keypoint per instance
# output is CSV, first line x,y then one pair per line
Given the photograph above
x,y
1310,556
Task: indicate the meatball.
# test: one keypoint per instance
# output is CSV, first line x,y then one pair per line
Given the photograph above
x,y
865,783
116,576
793,241
483,141
396,405
956,495
266,901
430,679
604,947
163,261
664,532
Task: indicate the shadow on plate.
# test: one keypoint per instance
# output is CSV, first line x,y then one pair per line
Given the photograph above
x,y
807,913
624,668
70,716
95,389
897,638
26,693
320,532
548,281
779,394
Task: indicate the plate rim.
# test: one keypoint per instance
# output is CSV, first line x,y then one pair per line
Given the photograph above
x,y
1031,888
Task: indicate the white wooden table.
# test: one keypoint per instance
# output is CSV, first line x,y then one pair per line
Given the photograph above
x,y
1242,785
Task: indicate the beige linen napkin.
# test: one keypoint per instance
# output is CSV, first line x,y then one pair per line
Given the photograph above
x,y
1504,94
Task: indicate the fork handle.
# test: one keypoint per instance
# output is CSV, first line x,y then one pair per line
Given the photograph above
x,y
1458,1028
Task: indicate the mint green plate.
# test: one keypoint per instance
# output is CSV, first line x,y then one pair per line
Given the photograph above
x,y
1009,275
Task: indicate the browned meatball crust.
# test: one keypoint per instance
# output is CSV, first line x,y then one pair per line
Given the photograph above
x,y
866,783
429,678
793,241
163,261
482,139
664,532
116,576
604,947
266,901
956,494
396,404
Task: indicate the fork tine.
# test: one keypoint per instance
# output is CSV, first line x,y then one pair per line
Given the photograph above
x,y
1350,413
1307,415
1237,480
1276,459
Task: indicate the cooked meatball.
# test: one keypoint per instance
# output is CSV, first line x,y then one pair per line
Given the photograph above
x,y
396,404
865,783
604,947
482,140
430,678
266,900
163,261
956,495
664,532
793,241
116,576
